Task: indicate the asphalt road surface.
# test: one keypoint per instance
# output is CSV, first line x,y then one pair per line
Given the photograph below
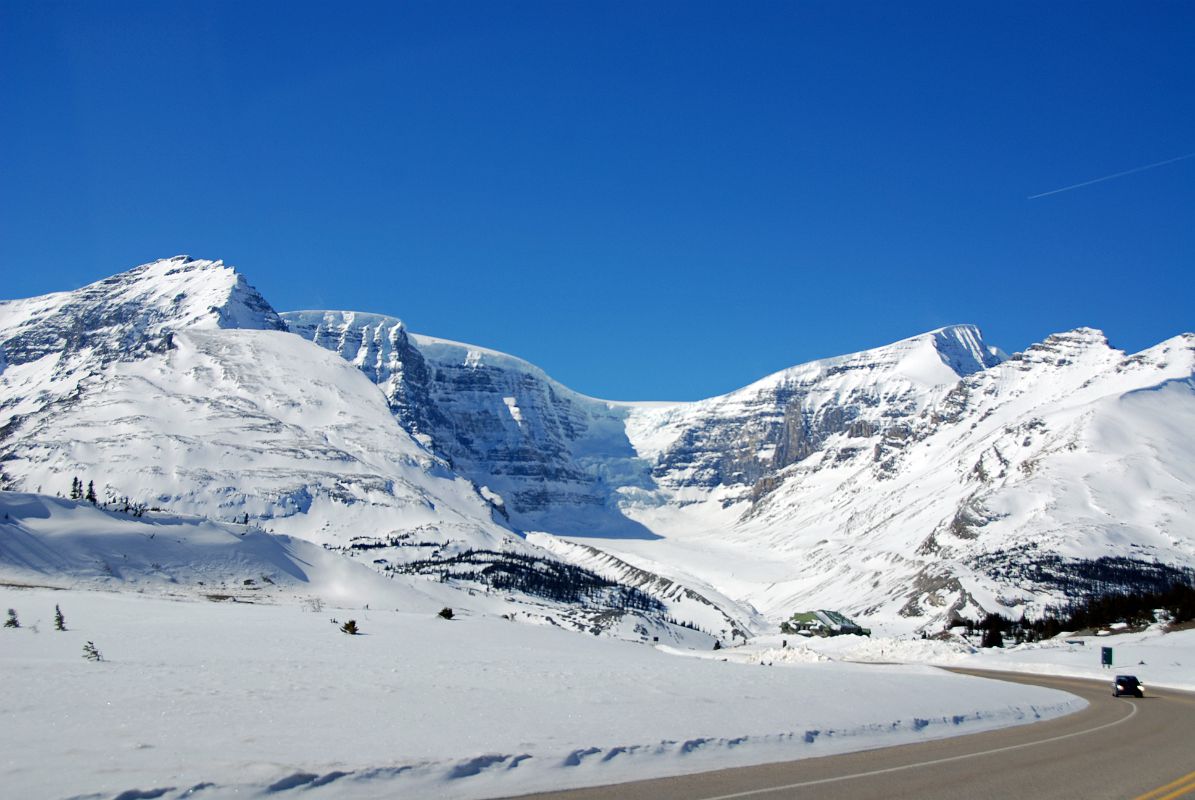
x,y
1122,748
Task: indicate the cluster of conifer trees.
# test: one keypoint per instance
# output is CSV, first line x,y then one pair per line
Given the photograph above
x,y
537,577
122,504
1099,611
77,492
1092,577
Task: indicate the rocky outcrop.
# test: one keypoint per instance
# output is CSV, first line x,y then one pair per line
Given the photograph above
x,y
747,437
552,456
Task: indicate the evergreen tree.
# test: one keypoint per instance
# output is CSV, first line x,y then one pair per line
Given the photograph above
x,y
59,620
91,492
446,613
11,622
91,653
992,637
76,488
350,627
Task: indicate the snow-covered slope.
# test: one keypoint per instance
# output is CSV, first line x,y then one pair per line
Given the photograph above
x,y
150,391
217,700
870,482
69,543
999,493
735,443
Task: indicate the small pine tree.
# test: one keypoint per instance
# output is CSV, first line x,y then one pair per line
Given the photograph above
x,y
992,638
91,492
350,628
446,613
12,622
59,620
91,653
717,645
76,488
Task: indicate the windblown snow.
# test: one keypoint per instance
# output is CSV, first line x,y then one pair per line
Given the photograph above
x,y
245,699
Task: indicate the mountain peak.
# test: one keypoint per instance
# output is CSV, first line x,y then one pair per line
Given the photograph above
x,y
120,313
199,292
963,349
1063,349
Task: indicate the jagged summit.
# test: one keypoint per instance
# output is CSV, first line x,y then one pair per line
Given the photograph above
x,y
132,310
933,358
213,293
1081,338
963,349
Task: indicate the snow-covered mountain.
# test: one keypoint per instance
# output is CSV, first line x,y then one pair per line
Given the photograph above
x,y
176,386
863,482
1061,468
905,484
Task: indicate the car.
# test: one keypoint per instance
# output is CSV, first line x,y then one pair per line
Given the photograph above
x,y
1127,684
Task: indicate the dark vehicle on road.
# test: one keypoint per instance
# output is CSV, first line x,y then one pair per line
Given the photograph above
x,y
1128,684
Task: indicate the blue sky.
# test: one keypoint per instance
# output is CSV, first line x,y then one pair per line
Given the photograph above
x,y
649,200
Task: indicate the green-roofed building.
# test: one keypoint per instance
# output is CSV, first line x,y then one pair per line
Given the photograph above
x,y
822,623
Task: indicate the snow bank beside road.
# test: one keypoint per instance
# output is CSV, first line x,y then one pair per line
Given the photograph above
x,y
253,698
1158,659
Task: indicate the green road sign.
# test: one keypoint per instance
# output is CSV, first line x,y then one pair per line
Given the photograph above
x,y
1106,656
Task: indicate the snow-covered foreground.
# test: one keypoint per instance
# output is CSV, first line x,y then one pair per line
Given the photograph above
x,y
263,699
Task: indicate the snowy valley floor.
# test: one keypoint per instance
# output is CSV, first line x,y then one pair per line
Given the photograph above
x,y
250,700
1157,658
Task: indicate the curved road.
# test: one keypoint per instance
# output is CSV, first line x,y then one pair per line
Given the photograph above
x,y
1116,748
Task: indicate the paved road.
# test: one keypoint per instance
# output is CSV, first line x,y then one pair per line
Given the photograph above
x,y
1121,749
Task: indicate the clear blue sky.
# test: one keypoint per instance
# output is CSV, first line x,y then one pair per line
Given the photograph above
x,y
649,200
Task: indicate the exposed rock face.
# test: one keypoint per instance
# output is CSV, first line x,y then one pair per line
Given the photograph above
x,y
380,347
743,439
558,457
553,456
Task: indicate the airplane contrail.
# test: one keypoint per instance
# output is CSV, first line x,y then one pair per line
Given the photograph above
x,y
1110,177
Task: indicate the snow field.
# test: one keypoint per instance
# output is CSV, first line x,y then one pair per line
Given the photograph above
x,y
272,698
1161,660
